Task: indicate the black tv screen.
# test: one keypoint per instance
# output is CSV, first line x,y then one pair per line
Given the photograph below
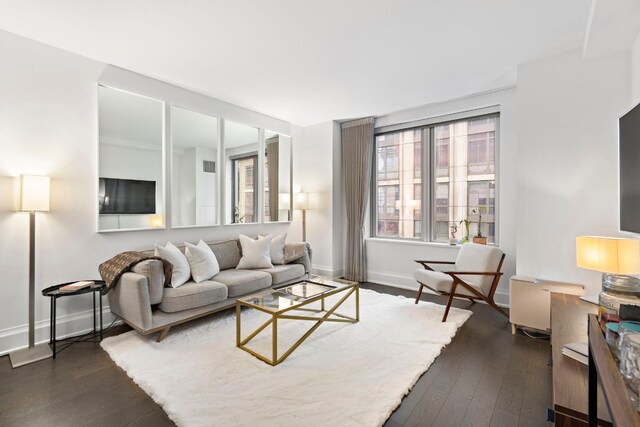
x,y
629,131
127,196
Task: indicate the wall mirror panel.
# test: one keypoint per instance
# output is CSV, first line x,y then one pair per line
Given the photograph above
x,y
130,165
241,149
277,177
194,168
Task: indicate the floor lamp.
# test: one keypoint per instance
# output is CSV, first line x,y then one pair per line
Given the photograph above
x,y
34,196
301,202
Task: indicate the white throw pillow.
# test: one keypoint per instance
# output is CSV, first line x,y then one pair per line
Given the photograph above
x,y
181,272
277,248
202,261
255,253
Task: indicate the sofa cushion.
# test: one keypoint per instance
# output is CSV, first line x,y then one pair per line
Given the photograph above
x,y
192,295
242,282
255,253
202,261
181,271
227,253
284,273
153,270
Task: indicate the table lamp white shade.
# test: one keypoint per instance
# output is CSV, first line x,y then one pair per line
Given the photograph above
x,y
608,254
155,221
34,193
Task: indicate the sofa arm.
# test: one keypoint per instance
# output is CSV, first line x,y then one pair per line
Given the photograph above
x,y
129,299
153,270
298,253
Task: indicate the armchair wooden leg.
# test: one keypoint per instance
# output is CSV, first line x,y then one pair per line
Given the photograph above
x,y
452,292
163,333
419,292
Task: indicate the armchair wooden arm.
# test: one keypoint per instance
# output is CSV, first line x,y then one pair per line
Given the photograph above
x,y
473,273
424,263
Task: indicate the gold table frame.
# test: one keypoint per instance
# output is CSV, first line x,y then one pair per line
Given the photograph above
x,y
346,287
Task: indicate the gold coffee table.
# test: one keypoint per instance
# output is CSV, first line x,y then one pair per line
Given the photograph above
x,y
282,303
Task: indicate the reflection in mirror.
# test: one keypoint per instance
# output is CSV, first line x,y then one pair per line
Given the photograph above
x,y
130,178
277,177
241,160
194,171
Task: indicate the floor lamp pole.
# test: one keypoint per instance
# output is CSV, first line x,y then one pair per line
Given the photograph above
x,y
32,278
33,352
304,225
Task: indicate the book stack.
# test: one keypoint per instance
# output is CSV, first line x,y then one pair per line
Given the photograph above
x,y
72,287
578,351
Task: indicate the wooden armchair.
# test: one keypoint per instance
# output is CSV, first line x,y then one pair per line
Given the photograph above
x,y
474,275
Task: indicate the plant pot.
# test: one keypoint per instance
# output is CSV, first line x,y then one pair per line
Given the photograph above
x,y
480,240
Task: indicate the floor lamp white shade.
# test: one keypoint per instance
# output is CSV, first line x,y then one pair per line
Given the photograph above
x,y
34,193
302,201
34,196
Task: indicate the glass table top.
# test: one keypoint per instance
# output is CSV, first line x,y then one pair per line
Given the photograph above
x,y
287,296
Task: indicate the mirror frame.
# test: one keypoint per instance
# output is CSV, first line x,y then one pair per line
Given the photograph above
x,y
219,168
163,144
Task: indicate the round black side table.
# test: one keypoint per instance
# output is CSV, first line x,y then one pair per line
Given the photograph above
x,y
53,292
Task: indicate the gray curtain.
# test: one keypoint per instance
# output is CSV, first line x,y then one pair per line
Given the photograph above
x,y
357,155
273,156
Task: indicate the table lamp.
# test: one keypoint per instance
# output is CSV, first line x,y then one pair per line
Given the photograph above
x,y
34,196
616,258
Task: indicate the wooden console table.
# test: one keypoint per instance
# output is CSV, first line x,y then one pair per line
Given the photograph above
x,y
602,366
569,320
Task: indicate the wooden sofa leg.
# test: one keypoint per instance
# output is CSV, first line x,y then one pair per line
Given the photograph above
x,y
163,333
419,292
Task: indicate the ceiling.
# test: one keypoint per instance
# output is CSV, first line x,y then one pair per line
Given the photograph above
x,y
309,62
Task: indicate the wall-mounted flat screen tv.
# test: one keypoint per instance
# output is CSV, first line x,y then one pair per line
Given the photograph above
x,y
126,196
629,131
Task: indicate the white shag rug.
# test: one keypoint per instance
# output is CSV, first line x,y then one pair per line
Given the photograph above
x,y
343,375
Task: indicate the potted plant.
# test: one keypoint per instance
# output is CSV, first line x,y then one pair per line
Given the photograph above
x,y
479,238
454,229
467,224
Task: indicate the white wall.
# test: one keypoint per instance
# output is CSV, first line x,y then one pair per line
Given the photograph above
x,y
391,261
568,111
316,171
48,125
635,71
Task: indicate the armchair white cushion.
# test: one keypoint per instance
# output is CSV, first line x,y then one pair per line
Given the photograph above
x,y
475,257
442,282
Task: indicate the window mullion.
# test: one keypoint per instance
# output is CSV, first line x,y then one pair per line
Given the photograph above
x,y
427,182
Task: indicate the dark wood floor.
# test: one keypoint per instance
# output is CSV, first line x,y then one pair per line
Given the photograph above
x,y
485,377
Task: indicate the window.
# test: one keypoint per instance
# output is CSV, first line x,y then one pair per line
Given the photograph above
x,y
244,183
456,161
398,186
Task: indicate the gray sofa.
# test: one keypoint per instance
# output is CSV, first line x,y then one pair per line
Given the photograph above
x,y
144,303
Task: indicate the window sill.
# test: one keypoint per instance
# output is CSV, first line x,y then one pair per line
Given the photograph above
x,y
410,242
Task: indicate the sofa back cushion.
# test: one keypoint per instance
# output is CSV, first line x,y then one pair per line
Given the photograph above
x,y
227,253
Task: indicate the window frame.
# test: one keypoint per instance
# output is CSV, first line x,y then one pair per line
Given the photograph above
x,y
428,169
234,182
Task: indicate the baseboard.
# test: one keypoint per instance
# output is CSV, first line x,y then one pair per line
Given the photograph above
x,y
402,281
69,325
325,270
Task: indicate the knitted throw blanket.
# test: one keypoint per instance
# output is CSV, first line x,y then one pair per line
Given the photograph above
x,y
112,269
